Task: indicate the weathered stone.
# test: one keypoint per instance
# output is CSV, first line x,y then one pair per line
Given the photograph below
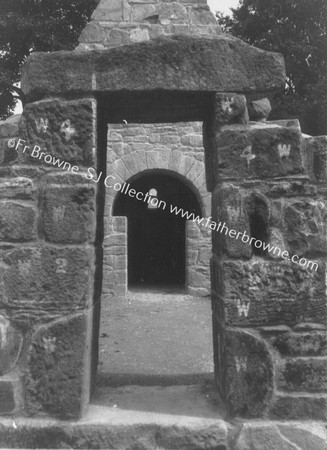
x,y
18,188
259,293
7,397
228,207
118,429
56,377
10,345
230,109
303,375
64,130
182,63
172,13
305,224
259,110
313,343
53,281
299,406
68,214
17,222
257,151
250,373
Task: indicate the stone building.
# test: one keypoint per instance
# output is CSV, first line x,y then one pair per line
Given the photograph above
x,y
155,99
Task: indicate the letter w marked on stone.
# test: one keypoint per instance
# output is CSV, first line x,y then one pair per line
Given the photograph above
x,y
240,362
243,308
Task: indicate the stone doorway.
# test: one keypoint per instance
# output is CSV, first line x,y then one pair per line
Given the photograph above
x,y
156,242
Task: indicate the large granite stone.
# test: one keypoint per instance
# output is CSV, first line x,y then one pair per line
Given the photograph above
x,y
56,378
182,63
250,374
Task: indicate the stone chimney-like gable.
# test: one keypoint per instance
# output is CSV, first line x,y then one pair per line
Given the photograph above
x,y
120,22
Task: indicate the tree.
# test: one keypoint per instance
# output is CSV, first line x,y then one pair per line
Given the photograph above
x,y
298,30
35,25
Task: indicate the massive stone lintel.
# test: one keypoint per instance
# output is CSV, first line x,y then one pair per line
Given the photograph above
x,y
175,63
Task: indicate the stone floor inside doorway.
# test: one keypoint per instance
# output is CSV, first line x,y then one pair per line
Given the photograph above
x,y
156,354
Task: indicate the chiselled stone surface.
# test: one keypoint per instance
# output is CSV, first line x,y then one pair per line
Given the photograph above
x,y
62,129
18,188
299,406
56,377
17,222
258,293
69,213
53,281
258,151
305,224
250,373
10,345
303,374
309,343
171,63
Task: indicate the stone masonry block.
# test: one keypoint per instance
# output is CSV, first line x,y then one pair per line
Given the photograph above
x,y
18,188
303,374
299,406
271,293
229,208
53,281
7,397
305,223
11,341
257,151
309,343
250,374
65,130
222,64
120,224
68,214
230,109
56,376
18,222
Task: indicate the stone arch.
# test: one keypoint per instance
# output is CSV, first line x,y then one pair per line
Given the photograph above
x,y
134,150
158,147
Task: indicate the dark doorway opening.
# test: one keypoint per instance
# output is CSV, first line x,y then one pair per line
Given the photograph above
x,y
156,235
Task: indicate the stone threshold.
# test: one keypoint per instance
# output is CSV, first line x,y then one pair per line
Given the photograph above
x,y
113,428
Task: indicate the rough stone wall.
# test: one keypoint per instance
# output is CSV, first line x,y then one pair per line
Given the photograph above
x,y
47,258
120,22
269,313
134,149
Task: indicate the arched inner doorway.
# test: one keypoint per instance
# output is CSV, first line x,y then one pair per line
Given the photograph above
x,y
156,234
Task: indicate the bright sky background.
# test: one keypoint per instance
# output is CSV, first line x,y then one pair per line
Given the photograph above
x,y
215,5
222,5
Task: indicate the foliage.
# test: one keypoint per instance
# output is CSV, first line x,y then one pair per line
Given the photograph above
x,y
298,30
35,25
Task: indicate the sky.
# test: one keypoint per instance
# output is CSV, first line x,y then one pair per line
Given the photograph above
x,y
215,5
222,5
